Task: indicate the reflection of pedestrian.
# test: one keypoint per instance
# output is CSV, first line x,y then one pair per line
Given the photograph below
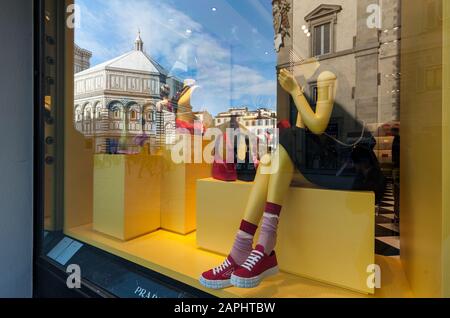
x,y
396,148
396,172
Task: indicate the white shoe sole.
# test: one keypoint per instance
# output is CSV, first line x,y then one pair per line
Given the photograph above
x,y
215,284
254,281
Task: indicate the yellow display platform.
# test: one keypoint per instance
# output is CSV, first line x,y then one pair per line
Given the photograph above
x,y
177,257
324,235
126,195
178,188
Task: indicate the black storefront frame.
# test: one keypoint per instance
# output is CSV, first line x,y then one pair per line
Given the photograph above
x,y
49,279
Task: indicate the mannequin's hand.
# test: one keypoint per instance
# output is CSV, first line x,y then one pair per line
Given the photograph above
x,y
288,82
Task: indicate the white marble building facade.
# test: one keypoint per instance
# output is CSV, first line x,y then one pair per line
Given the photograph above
x,y
118,99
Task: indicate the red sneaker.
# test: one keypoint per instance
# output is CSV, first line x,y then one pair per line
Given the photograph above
x,y
219,277
257,267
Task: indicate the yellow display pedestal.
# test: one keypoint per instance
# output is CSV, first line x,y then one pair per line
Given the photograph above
x,y
126,195
178,189
324,235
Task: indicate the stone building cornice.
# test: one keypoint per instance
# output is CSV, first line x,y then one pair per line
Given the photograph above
x,y
322,11
82,51
360,51
102,94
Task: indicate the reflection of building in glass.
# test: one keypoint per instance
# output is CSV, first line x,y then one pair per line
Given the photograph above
x,y
165,128
205,119
82,59
258,122
118,100
253,120
360,43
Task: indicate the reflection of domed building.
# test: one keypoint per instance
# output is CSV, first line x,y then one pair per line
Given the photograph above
x,y
119,98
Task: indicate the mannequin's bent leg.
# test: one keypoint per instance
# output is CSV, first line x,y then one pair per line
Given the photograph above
x,y
269,187
258,195
277,189
273,169
243,244
272,180
279,182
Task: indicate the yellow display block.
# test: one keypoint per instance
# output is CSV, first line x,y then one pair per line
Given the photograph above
x,y
178,189
126,195
324,235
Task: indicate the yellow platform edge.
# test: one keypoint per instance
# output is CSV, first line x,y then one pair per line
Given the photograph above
x,y
183,261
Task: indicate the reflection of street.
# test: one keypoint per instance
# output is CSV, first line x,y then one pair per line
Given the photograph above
x,y
387,229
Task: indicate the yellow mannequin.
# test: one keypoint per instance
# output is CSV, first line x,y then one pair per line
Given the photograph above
x,y
272,187
184,105
185,100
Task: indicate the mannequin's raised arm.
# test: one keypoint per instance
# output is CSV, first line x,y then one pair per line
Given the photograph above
x,y
317,121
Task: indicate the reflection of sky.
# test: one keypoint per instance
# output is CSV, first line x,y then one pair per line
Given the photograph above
x,y
228,51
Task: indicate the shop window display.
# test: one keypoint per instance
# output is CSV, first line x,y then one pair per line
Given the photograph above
x,y
185,126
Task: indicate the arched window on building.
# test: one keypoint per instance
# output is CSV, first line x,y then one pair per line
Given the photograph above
x,y
87,118
88,112
98,110
134,112
78,114
149,116
78,118
116,110
133,116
